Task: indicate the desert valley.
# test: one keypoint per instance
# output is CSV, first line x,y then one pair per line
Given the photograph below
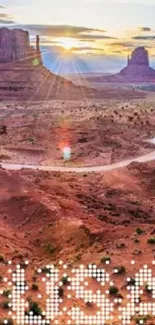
x,y
76,185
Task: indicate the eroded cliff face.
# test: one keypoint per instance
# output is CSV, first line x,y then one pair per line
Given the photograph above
x,y
15,46
138,65
139,57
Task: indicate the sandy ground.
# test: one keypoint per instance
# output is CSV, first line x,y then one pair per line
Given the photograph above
x,y
46,217
83,218
97,132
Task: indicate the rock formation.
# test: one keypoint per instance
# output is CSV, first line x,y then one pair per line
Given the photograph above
x,y
138,66
137,70
22,74
15,46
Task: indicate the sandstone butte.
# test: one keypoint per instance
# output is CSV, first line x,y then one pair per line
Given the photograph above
x,y
22,74
138,70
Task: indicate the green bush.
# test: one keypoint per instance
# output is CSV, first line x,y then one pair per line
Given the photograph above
x,y
9,321
113,290
6,293
34,286
147,288
46,270
49,248
35,308
2,259
105,259
64,280
131,282
142,319
120,269
61,292
5,304
151,240
139,231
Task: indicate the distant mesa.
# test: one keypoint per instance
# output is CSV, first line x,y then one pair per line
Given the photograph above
x,y
138,65
138,70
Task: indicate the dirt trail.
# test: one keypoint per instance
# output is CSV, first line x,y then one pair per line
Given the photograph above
x,y
144,158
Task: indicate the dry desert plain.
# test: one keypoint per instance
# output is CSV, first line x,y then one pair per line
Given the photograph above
x,y
81,218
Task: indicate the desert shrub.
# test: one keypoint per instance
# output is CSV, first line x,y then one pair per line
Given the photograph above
x,y
131,282
46,270
49,248
5,304
34,286
139,231
120,269
147,289
20,256
105,259
34,307
60,292
120,245
113,290
151,240
142,319
9,321
89,304
2,259
136,240
65,280
6,293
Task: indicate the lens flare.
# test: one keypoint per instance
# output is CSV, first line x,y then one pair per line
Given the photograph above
x,y
35,62
66,153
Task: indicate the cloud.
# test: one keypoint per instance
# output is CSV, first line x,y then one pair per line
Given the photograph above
x,y
59,30
6,19
144,38
87,48
144,29
123,44
79,32
95,37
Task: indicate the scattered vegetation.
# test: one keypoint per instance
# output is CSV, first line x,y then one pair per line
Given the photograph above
x,y
65,280
34,286
120,269
105,259
139,231
6,293
9,321
151,240
113,290
142,319
34,307
2,259
5,304
49,248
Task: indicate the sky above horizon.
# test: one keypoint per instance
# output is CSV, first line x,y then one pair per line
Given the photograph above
x,y
90,31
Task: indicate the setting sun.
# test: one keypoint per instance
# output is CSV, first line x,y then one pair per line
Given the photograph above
x,y
68,43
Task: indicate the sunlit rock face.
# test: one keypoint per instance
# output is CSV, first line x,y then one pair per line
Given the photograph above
x,y
15,46
23,76
139,57
138,65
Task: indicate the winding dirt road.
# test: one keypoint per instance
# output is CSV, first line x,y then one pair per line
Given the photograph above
x,y
89,169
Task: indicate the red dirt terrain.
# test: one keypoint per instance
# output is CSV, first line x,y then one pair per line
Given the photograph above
x,y
98,132
79,219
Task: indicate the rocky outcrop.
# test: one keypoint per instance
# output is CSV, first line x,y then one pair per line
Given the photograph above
x,y
138,66
15,46
140,57
137,70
